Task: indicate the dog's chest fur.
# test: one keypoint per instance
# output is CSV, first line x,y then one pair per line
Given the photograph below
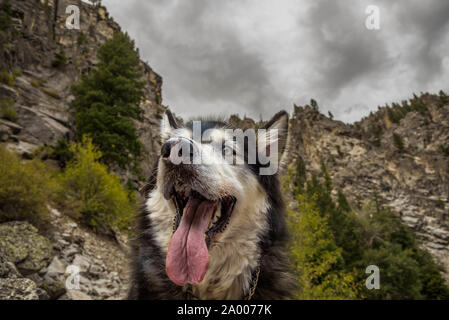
x,y
234,255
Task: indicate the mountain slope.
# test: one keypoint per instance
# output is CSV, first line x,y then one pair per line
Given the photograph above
x,y
405,163
49,58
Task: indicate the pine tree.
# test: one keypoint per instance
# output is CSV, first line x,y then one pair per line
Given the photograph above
x,y
398,142
107,100
332,245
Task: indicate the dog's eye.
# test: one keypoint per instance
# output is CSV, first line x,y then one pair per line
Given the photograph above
x,y
227,151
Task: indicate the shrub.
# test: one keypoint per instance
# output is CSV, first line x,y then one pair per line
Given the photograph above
x,y
7,78
82,39
17,72
25,188
5,15
35,83
92,193
43,152
444,150
376,131
7,110
62,152
444,99
52,93
59,61
398,142
440,204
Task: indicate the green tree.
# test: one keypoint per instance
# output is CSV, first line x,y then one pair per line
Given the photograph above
x,y
407,271
333,244
107,101
5,15
398,142
316,258
62,152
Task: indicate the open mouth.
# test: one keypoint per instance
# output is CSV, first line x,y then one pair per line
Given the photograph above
x,y
197,221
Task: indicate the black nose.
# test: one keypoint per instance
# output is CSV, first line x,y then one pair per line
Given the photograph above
x,y
165,150
180,145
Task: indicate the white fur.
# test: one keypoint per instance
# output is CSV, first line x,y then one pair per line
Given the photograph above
x,y
234,254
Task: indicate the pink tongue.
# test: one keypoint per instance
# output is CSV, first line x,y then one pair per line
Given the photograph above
x,y
187,257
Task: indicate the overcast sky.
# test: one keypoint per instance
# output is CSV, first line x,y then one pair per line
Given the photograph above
x,y
256,57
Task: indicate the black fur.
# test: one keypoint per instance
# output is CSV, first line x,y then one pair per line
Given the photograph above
x,y
149,280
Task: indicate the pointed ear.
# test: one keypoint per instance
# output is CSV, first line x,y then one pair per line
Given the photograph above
x,y
279,123
168,124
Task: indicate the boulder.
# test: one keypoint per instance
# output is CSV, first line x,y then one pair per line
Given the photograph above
x,y
54,288
56,268
8,269
21,244
82,262
18,289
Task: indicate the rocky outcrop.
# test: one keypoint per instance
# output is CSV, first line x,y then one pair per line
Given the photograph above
x,y
51,59
44,58
21,244
69,262
22,252
18,289
363,160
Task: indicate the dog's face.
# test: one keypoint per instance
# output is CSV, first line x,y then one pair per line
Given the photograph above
x,y
208,169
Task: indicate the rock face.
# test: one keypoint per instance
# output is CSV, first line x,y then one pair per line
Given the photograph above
x,y
41,93
68,263
21,244
363,159
21,248
18,289
45,58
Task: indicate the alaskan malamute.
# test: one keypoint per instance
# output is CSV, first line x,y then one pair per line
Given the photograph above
x,y
212,225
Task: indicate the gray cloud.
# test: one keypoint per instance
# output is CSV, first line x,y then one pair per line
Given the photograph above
x,y
429,22
347,51
257,56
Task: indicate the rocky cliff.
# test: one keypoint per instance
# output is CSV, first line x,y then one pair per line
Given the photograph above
x,y
68,262
45,58
40,60
404,161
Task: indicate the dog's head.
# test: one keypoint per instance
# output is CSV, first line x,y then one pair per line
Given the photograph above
x,y
208,169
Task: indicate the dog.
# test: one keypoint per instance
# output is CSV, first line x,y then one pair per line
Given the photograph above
x,y
211,228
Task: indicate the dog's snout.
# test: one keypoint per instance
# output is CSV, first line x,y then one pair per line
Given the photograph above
x,y
165,150
177,148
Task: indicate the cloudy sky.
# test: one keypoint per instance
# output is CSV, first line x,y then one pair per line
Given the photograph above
x,y
255,57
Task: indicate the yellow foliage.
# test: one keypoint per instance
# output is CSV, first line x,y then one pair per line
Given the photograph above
x,y
315,256
25,188
94,194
